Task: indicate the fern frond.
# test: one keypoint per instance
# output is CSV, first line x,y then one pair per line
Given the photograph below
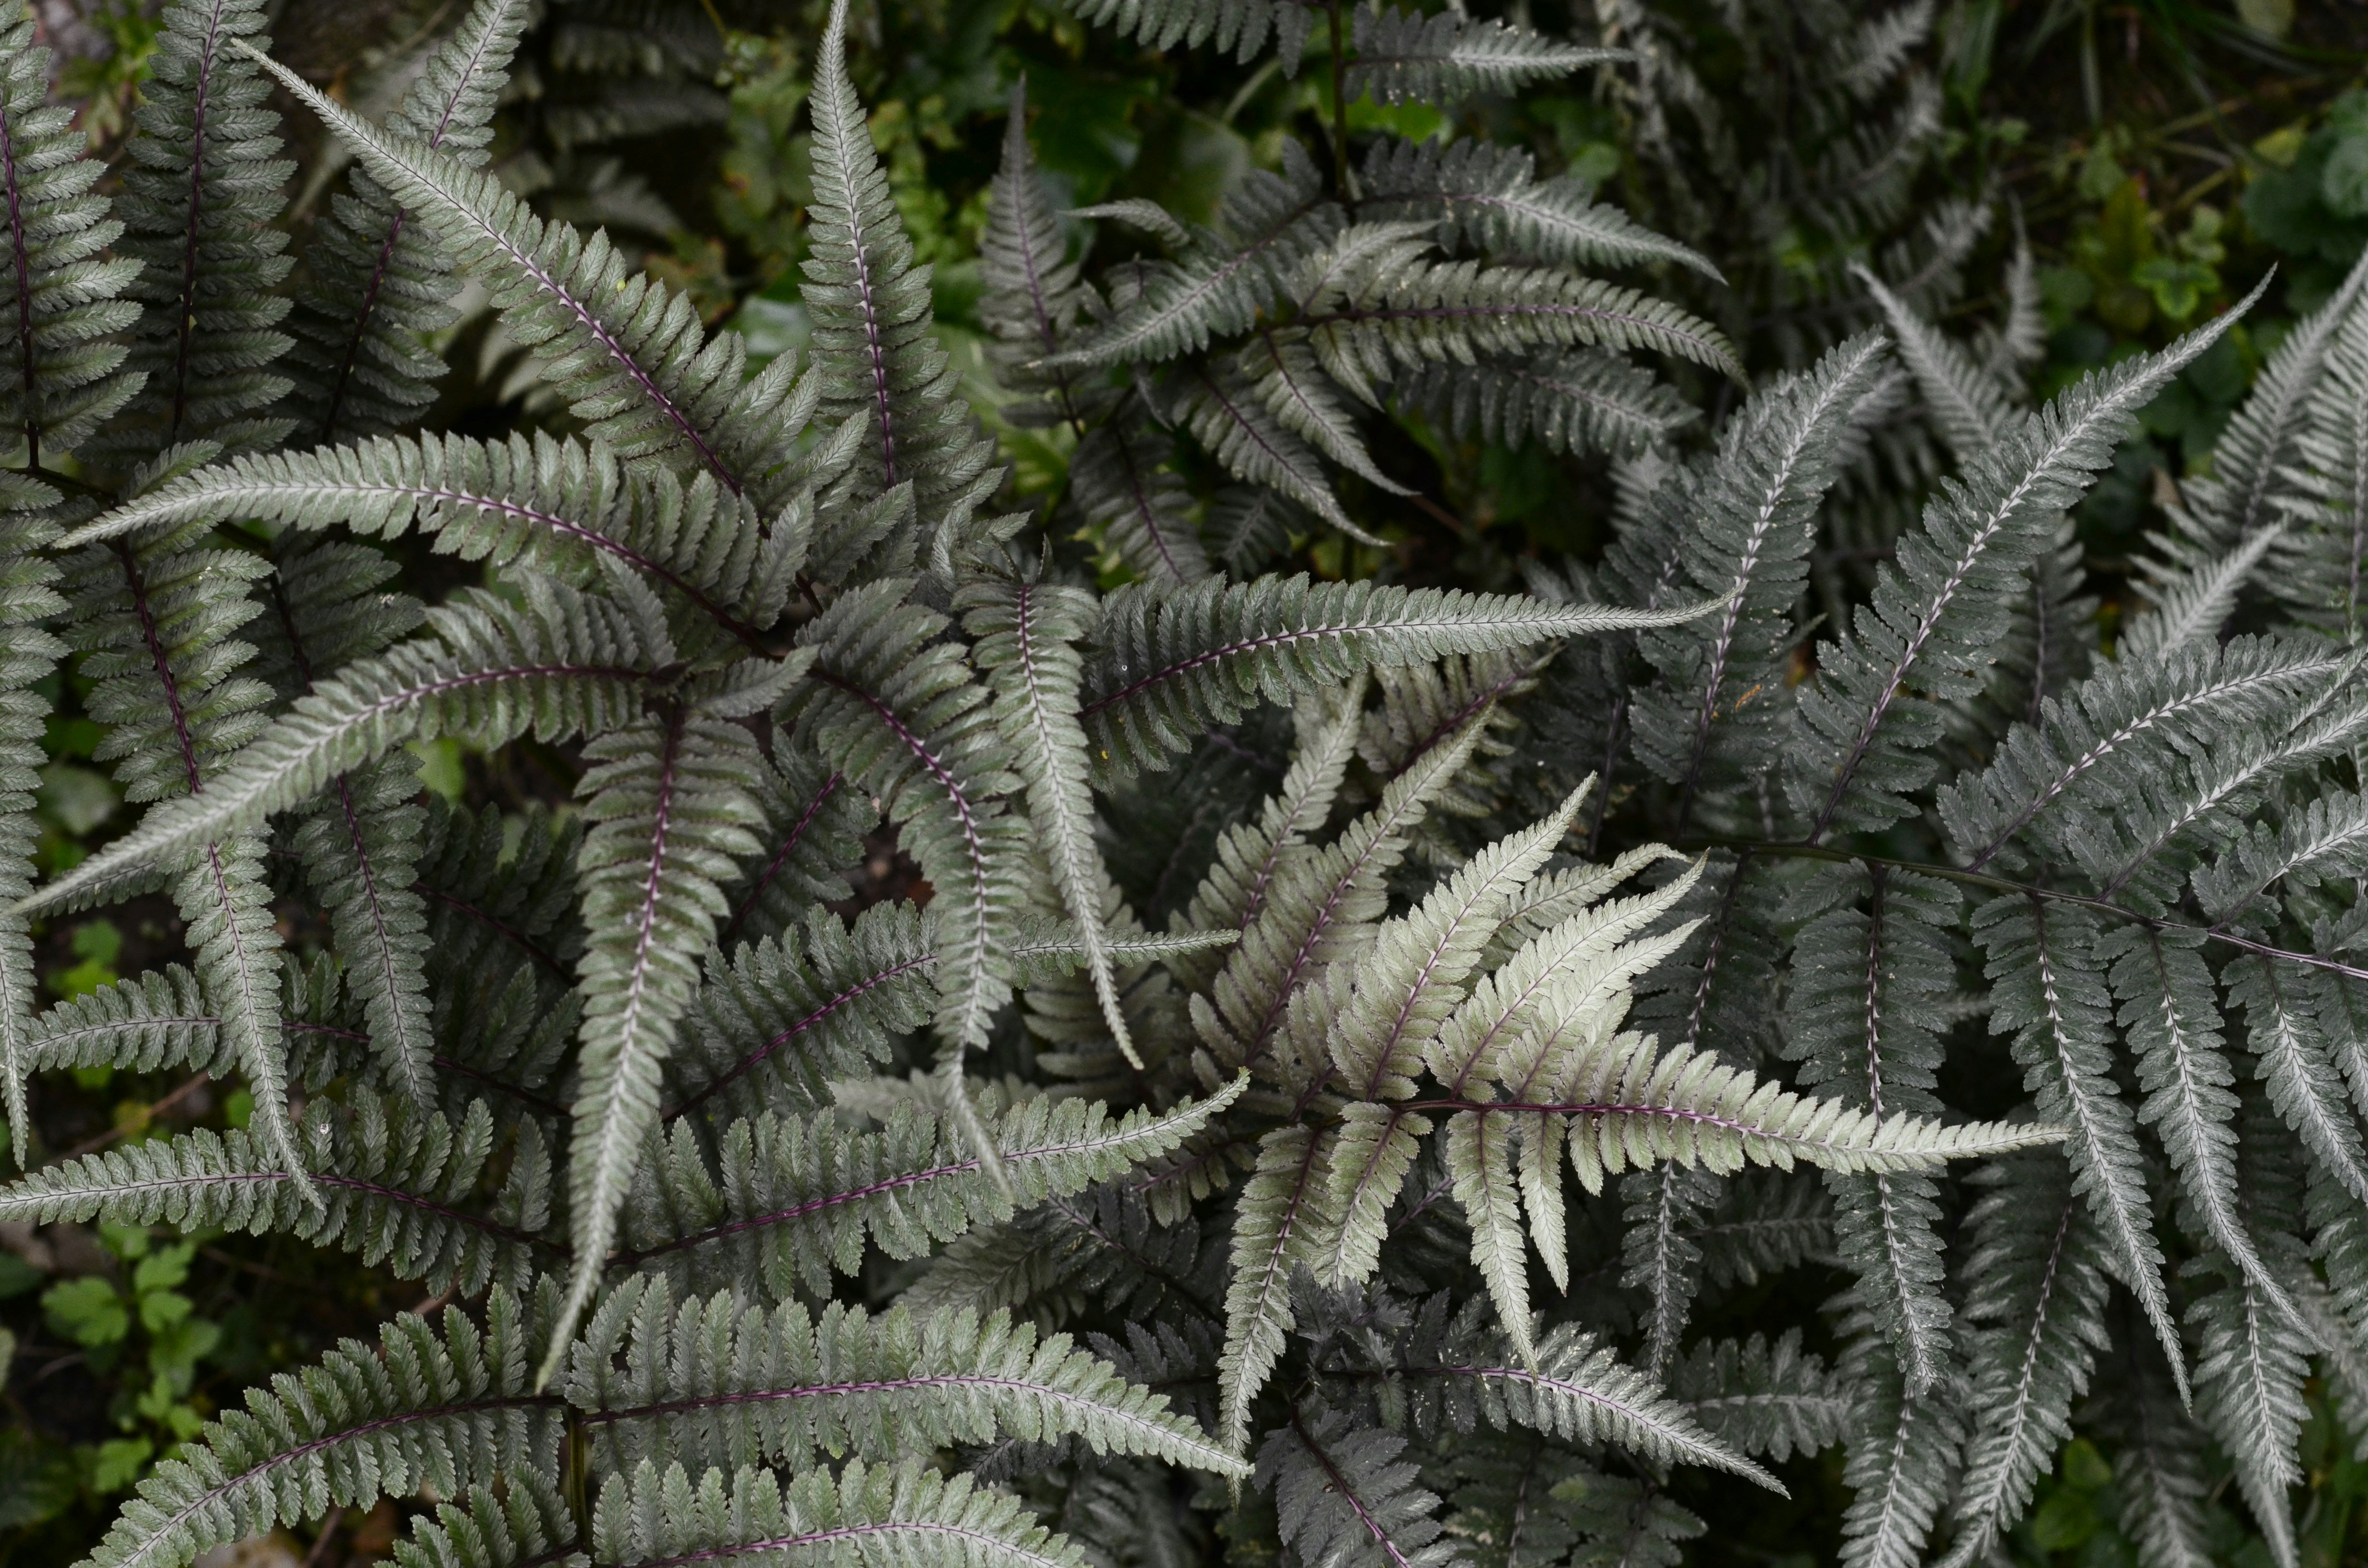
x,y
900,716
1027,634
2049,991
562,664
753,1385
1864,981
2170,1010
1487,197
1227,413
2324,554
419,1409
1578,1393
59,292
1864,745
397,1187
528,1522
1763,1397
200,192
1710,720
633,360
378,282
2036,1295
1575,402
1343,1496
1034,296
1969,406
1120,481
2090,750
873,350
671,817
1279,1226
1404,55
1164,668
28,655
900,1516
785,1016
1273,224
788,1199
560,506
1394,314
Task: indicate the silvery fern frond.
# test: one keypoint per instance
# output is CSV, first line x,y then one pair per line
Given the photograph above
x,y
904,1515
1862,746
1749,515
60,292
377,281
874,355
671,812
786,1200
1488,197
1271,225
2324,551
1404,55
1575,400
198,198
632,359
781,1384
447,1410
1162,669
401,1188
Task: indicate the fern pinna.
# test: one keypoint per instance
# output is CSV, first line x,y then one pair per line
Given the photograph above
x,y
1331,948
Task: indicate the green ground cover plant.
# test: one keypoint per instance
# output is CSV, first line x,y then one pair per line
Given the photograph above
x,y
1439,832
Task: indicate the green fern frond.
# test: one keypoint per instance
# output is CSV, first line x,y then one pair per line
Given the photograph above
x,y
1121,481
28,655
529,1522
1231,418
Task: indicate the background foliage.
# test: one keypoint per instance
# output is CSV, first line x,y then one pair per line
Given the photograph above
x,y
2160,157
